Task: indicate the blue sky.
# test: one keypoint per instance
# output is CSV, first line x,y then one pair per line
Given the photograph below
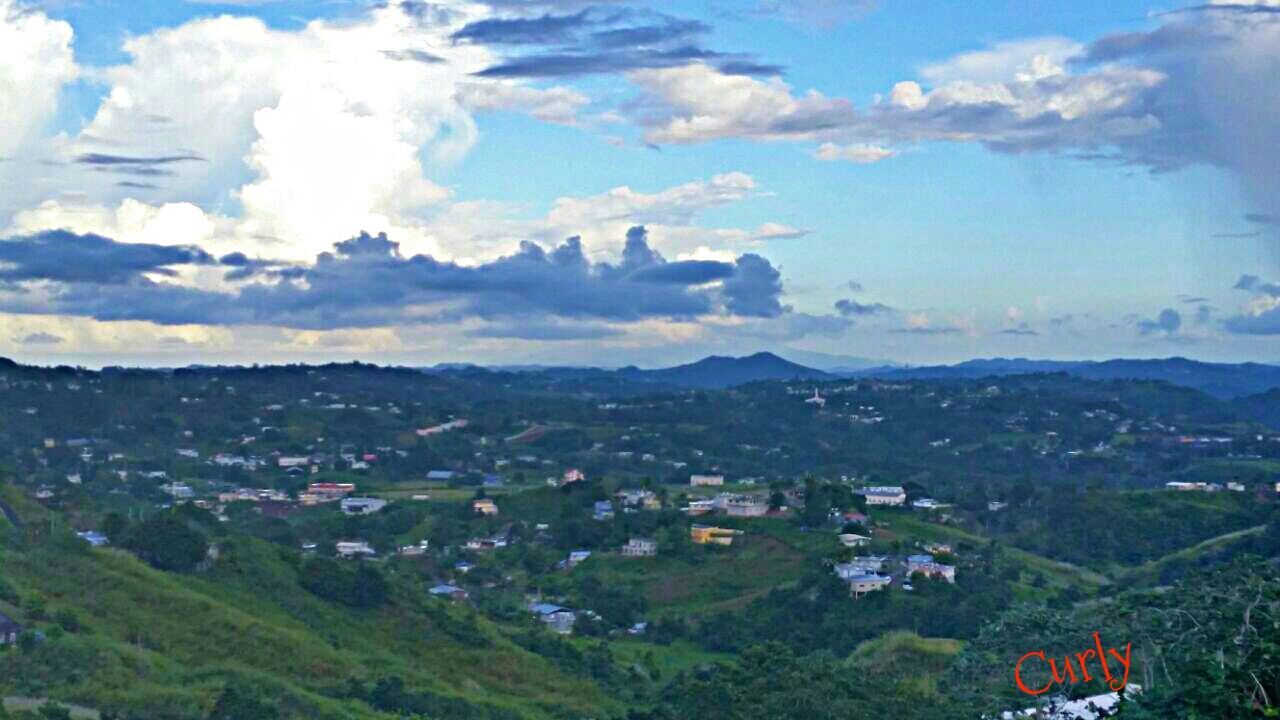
x,y
917,182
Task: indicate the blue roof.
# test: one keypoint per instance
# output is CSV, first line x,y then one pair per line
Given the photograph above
x,y
919,558
440,474
445,589
869,578
546,608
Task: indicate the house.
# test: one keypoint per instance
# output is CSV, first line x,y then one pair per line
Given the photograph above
x,y
817,399
926,504
577,557
745,506
572,475
938,548
1088,708
482,544
285,462
705,480
860,566
1235,486
464,567
9,630
484,506
709,535
850,540
440,475
415,550
891,495
492,481
453,592
93,538
177,490
860,585
353,548
558,619
925,565
854,517
700,507
602,510
995,506
640,547
362,506
638,498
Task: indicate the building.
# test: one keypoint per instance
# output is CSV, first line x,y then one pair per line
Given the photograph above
x,y
93,538
860,566
440,475
640,547
926,504
1235,486
705,480
602,510
288,462
925,565
938,548
1093,707
362,506
745,506
453,592
891,495
9,630
330,491
709,535
816,399
577,557
558,619
860,585
700,507
996,506
645,499
572,475
484,506
853,540
353,548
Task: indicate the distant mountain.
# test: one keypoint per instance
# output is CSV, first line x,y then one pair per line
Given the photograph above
x,y
723,372
832,363
1221,380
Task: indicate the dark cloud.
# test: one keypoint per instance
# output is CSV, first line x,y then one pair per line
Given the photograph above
x,y
1255,284
40,338
1192,299
1167,322
366,282
1022,329
1204,314
1265,320
1262,218
137,185
145,167
753,288
851,308
600,40
63,256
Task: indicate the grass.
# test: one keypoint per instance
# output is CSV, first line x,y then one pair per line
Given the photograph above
x,y
157,635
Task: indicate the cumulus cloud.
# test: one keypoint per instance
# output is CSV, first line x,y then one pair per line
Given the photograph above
x,y
367,282
1167,322
36,61
1261,315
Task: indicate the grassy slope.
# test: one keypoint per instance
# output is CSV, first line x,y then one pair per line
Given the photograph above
x,y
161,635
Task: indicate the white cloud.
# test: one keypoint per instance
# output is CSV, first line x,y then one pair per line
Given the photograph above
x,y
1020,60
860,153
559,105
35,62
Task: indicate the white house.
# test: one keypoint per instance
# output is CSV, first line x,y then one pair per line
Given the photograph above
x,y
353,548
891,495
860,585
640,547
706,480
362,505
853,540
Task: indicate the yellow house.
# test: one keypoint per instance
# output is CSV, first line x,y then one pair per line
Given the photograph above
x,y
485,506
706,534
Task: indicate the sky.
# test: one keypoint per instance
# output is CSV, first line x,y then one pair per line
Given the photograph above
x,y
608,182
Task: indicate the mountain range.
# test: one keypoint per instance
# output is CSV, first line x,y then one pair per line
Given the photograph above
x,y
1221,380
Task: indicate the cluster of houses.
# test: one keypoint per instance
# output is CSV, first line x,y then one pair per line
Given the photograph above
x,y
868,573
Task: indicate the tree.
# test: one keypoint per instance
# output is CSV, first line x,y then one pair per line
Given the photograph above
x,y
236,703
167,543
